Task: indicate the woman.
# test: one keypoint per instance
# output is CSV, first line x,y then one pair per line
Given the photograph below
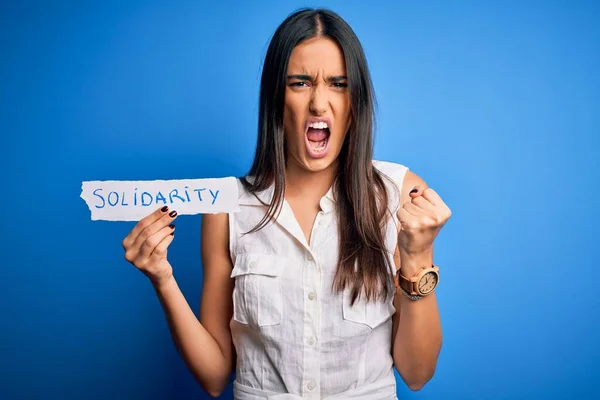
x,y
300,292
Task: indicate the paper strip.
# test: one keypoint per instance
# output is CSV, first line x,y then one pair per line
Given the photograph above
x,y
133,200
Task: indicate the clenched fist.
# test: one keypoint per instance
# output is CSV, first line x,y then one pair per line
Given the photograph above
x,y
147,243
421,219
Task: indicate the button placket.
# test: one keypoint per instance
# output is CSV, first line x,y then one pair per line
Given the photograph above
x,y
312,280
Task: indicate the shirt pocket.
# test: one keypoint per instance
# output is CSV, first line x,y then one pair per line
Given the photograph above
x,y
257,295
370,314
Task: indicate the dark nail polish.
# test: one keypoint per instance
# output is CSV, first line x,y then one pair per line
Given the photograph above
x,y
164,209
415,190
173,213
172,233
172,226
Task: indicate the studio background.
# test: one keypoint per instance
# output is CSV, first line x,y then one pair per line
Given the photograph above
x,y
495,104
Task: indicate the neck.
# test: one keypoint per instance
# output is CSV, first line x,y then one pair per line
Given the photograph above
x,y
300,182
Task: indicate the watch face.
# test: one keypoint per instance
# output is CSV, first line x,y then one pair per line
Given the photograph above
x,y
428,282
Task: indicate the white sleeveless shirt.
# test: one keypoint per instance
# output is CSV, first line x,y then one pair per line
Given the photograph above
x,y
294,337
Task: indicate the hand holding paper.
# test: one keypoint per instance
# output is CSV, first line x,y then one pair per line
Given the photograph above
x,y
147,243
156,204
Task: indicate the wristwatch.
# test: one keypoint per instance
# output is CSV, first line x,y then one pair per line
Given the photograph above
x,y
421,284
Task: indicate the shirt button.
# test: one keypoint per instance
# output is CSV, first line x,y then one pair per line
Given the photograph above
x,y
311,341
252,265
310,258
312,296
311,385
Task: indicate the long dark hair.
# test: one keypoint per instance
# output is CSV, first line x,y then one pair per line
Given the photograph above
x,y
359,188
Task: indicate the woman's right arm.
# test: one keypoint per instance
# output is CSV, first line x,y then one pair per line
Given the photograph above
x,y
205,345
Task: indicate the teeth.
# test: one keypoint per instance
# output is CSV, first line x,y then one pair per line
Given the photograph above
x,y
318,125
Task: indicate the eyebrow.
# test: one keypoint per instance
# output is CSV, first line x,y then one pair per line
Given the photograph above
x,y
302,77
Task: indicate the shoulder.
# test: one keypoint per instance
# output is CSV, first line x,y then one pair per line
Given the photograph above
x,y
392,170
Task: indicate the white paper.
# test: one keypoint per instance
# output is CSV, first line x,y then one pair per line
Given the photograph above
x,y
134,200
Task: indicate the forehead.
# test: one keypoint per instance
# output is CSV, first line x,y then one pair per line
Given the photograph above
x,y
318,55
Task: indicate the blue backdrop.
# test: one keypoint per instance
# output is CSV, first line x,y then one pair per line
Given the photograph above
x,y
496,105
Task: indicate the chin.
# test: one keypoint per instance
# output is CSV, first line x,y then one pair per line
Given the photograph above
x,y
318,165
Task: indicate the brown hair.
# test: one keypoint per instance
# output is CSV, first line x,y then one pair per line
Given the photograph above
x,y
359,188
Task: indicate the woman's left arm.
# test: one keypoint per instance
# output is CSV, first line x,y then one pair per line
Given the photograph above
x,y
417,332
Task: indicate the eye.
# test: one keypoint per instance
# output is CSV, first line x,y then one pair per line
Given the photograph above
x,y
340,86
299,84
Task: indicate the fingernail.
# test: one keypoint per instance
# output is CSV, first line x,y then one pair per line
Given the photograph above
x,y
172,233
172,226
165,208
415,190
173,213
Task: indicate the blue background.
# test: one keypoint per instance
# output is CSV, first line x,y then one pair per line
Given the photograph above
x,y
496,105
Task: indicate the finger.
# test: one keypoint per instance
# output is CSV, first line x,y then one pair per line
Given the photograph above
x,y
430,195
413,209
425,218
407,220
142,224
416,191
424,204
160,251
154,227
407,217
442,208
154,240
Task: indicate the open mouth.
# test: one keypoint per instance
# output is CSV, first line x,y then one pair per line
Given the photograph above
x,y
317,137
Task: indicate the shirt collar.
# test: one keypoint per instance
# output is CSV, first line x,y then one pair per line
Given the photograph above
x,y
246,198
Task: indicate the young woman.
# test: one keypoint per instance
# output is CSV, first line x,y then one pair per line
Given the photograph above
x,y
307,290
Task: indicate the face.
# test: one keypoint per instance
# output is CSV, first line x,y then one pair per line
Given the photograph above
x,y
316,113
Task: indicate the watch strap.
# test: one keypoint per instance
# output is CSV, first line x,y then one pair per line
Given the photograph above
x,y
406,284
412,297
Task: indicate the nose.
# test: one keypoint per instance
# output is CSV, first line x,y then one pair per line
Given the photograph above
x,y
318,101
